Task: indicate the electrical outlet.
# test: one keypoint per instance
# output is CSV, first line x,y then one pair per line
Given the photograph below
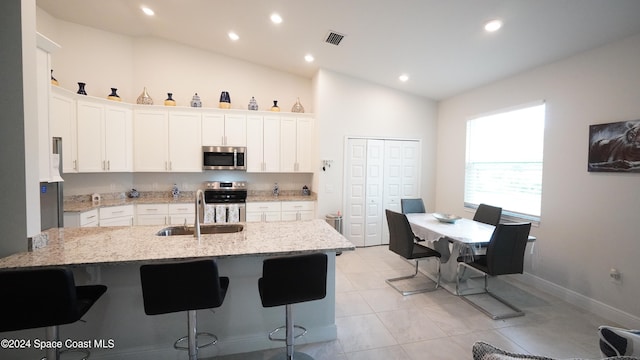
x,y
615,276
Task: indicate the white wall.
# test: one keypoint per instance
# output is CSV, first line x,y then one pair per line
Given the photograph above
x,y
350,107
590,221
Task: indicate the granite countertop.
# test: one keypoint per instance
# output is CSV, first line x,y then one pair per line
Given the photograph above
x,y
82,203
121,245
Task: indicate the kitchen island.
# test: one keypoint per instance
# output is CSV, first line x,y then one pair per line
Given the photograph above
x,y
112,256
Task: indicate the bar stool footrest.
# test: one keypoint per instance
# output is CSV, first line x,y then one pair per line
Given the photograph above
x,y
276,330
212,341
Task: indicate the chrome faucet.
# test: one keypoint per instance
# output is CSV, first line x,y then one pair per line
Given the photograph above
x,y
199,202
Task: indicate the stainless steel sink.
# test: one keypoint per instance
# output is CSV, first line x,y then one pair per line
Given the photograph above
x,y
204,229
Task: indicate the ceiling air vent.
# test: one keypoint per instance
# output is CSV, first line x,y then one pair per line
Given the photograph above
x,y
334,38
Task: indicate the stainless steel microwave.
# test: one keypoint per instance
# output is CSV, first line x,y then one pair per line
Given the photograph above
x,y
224,158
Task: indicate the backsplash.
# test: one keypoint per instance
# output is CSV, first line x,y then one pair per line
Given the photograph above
x,y
115,186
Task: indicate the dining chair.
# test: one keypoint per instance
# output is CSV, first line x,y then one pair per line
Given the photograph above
x,y
488,214
505,255
410,206
402,242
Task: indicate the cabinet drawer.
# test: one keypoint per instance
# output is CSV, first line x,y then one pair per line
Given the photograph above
x,y
182,209
116,211
88,217
298,205
152,209
263,206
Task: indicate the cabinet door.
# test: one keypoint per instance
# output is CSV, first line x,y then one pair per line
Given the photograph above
x,y
271,146
212,129
255,144
90,138
235,130
118,140
185,146
287,144
150,146
304,145
63,124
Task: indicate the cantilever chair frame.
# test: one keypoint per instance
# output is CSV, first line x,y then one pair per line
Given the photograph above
x,y
519,248
397,219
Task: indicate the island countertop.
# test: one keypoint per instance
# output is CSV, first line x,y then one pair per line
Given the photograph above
x,y
131,244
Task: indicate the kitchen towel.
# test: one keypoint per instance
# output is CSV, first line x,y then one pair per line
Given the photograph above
x,y
221,214
209,214
234,213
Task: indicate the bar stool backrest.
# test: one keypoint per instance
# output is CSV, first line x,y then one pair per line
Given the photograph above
x,y
293,279
38,298
182,286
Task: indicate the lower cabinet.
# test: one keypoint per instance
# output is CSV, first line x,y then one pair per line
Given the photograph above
x,y
179,214
263,211
152,214
297,210
280,211
116,215
88,218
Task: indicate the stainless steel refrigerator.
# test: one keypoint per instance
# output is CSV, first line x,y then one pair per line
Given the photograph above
x,y
51,196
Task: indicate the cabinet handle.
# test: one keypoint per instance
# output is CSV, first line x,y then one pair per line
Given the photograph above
x,y
182,209
75,165
91,217
117,212
103,167
108,164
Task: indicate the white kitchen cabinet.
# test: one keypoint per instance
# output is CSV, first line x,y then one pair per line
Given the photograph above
x,y
116,215
179,214
152,214
167,141
298,210
296,144
263,143
63,124
87,218
219,129
264,211
150,140
105,140
185,142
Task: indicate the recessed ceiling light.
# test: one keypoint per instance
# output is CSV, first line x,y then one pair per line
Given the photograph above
x,y
404,77
147,11
276,19
233,36
308,58
493,25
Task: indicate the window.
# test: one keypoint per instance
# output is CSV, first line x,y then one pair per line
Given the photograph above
x,y
504,161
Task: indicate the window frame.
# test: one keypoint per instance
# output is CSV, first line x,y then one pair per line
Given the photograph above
x,y
507,215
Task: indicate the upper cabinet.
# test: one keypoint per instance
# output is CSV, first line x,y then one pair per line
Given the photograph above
x,y
263,143
296,144
167,140
99,135
63,125
224,129
105,141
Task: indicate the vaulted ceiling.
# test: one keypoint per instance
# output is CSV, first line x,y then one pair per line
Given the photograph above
x,y
439,44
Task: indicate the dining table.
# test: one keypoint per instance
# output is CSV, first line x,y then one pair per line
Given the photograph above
x,y
452,237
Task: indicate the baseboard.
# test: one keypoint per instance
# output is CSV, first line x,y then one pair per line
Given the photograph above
x,y
596,307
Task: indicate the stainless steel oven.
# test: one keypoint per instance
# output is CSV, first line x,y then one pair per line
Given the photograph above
x,y
224,158
227,197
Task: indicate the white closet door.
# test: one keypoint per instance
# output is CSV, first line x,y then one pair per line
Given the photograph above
x,y
393,190
374,191
410,169
355,190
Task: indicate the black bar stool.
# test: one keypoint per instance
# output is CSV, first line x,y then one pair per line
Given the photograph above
x,y
46,297
184,286
289,280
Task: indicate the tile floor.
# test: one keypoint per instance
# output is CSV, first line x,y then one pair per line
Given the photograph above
x,y
376,322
